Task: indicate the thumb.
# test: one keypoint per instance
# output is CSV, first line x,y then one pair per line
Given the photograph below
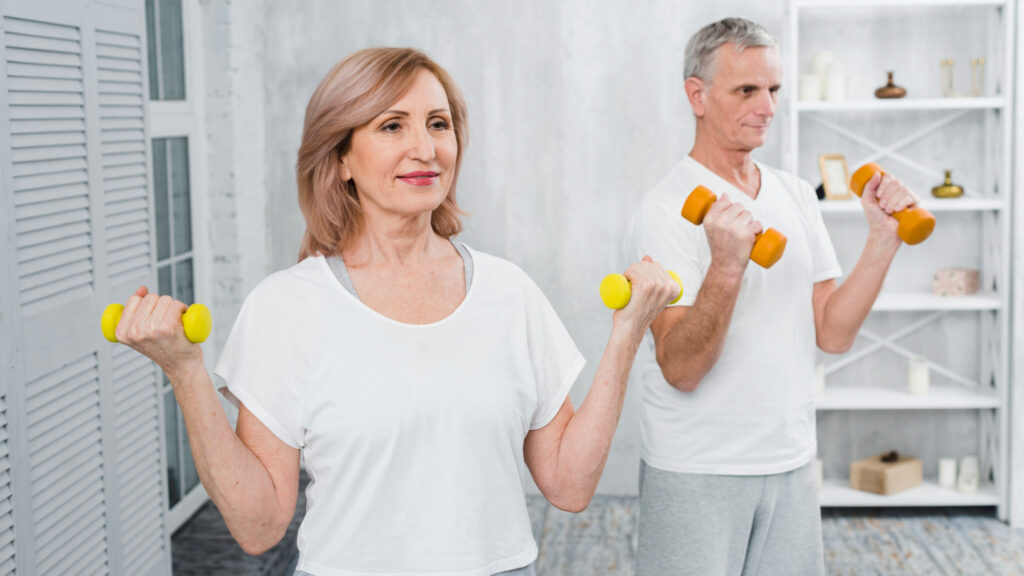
x,y
872,186
647,259
142,292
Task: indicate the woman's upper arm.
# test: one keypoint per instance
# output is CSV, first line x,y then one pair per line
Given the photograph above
x,y
279,459
540,449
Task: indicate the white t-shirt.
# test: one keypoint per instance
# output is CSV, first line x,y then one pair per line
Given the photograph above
x,y
412,434
753,413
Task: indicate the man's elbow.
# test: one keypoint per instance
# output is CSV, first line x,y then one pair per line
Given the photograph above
x,y
835,345
681,380
261,543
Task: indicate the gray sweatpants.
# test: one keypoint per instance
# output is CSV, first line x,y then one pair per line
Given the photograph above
x,y
710,525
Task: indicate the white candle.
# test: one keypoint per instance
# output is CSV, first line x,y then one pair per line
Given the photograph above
x,y
968,480
947,472
835,82
917,375
810,87
820,62
819,379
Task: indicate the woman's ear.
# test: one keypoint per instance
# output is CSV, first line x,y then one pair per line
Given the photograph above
x,y
346,174
696,92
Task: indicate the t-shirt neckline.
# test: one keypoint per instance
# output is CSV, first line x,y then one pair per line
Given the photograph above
x,y
336,285
728,187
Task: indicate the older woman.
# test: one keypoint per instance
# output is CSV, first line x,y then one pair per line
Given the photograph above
x,y
413,373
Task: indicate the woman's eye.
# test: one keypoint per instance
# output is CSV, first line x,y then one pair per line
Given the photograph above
x,y
391,127
439,124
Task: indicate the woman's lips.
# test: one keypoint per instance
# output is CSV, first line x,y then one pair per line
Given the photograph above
x,y
419,178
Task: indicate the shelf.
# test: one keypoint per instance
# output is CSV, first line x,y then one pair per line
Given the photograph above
x,y
805,4
902,104
924,301
838,494
962,204
877,398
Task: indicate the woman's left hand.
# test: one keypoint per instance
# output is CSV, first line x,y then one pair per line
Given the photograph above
x,y
651,289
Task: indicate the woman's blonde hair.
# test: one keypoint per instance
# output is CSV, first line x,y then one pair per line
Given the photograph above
x,y
354,92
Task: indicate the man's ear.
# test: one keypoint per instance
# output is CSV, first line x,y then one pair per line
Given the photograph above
x,y
696,92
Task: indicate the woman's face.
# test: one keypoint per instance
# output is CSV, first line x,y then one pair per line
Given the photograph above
x,y
403,161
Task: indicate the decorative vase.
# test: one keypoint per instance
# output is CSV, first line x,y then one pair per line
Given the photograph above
x,y
947,189
890,90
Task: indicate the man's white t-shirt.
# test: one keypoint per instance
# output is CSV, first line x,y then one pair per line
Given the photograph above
x,y
412,434
753,413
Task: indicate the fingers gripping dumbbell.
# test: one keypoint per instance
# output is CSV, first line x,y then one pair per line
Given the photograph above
x,y
768,245
916,224
196,321
616,290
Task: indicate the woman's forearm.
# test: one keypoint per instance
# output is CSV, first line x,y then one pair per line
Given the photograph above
x,y
235,479
588,437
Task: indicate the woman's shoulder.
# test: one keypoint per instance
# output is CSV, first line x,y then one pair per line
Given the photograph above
x,y
302,277
491,265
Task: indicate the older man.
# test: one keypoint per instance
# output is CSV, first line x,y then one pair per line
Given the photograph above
x,y
726,485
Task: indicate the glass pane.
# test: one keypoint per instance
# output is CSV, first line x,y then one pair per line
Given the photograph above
x,y
162,211
154,72
164,276
166,50
173,455
183,289
180,200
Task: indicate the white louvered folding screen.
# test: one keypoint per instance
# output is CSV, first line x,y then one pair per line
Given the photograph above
x,y
81,457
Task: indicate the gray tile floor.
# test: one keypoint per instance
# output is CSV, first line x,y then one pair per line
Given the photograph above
x,y
602,541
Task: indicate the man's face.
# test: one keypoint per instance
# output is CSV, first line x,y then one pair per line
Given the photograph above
x,y
738,103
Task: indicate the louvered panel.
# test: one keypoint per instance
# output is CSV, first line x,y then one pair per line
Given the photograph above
x,y
137,409
57,260
44,83
48,153
125,183
7,552
46,112
44,126
137,146
66,468
45,166
122,133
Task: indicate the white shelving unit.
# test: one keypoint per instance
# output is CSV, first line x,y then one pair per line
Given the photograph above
x,y
916,138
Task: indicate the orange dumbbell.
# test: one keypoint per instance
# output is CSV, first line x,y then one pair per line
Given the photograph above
x,y
916,224
768,245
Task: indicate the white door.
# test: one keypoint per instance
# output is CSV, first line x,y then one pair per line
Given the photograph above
x,y
85,484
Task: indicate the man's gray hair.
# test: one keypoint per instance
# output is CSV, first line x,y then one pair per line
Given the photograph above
x,y
700,50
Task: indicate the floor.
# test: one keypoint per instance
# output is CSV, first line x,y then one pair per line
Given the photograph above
x,y
602,541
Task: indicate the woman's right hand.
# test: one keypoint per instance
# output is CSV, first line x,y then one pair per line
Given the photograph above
x,y
151,324
651,289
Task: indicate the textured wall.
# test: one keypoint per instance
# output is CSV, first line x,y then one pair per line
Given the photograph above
x,y
576,109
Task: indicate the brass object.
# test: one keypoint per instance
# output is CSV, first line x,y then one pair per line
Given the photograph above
x,y
977,78
890,90
947,189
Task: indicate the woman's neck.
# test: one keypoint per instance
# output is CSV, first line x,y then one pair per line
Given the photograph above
x,y
396,240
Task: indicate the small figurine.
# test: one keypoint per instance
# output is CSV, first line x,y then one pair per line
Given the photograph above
x,y
890,90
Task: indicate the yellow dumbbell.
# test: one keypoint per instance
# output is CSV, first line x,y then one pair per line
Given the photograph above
x,y
616,291
196,321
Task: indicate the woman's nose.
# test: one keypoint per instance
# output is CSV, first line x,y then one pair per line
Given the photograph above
x,y
421,144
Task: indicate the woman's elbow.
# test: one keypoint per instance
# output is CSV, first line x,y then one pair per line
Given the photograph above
x,y
572,503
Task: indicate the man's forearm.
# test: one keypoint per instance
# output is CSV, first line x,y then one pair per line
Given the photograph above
x,y
850,304
691,347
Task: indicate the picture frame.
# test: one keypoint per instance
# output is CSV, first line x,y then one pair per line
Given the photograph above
x,y
835,177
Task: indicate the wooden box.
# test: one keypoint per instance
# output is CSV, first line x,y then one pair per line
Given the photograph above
x,y
881,477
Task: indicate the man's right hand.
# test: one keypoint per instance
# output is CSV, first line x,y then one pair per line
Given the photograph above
x,y
731,231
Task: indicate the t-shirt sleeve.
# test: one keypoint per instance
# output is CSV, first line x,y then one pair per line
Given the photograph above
x,y
555,360
259,368
823,253
656,232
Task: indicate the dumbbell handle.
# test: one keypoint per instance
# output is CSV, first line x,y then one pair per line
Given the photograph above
x,y
916,224
196,322
616,290
768,245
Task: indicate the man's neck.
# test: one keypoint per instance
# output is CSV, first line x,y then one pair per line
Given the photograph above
x,y
734,166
